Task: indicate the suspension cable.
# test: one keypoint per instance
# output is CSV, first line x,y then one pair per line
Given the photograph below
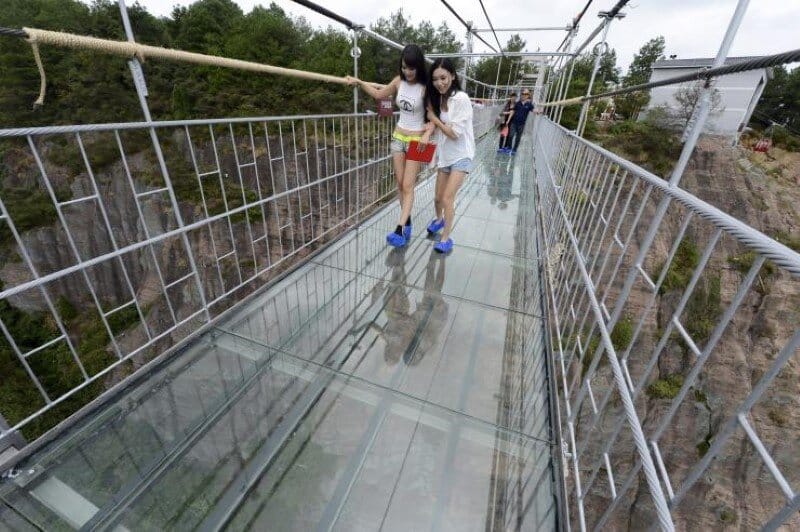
x,y
328,13
469,28
607,17
703,75
500,46
378,36
575,22
11,32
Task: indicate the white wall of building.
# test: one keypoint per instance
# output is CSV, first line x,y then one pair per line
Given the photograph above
x,y
739,94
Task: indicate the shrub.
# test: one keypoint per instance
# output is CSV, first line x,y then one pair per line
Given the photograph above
x,y
649,143
742,263
686,259
782,138
702,310
666,388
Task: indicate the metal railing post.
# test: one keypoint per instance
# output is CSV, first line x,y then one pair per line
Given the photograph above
x,y
497,79
600,50
680,166
356,53
141,91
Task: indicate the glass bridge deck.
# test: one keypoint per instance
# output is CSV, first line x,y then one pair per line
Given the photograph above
x,y
372,388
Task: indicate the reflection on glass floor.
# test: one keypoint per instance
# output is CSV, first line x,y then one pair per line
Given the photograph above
x,y
370,389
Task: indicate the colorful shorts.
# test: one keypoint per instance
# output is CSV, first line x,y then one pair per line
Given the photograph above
x,y
400,142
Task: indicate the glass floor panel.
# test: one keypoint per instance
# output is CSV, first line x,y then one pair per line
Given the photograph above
x,y
370,389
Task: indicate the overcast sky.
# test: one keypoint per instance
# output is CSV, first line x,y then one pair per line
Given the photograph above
x,y
692,28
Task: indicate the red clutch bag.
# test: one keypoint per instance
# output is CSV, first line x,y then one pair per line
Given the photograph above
x,y
424,156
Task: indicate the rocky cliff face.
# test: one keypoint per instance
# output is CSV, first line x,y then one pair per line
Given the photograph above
x,y
737,492
231,254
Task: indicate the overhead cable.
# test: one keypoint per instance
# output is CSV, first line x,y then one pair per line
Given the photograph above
x,y
500,46
328,13
468,26
575,22
606,20
10,32
702,75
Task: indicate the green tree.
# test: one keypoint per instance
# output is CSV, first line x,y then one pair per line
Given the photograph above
x,y
485,69
581,75
780,101
629,105
380,63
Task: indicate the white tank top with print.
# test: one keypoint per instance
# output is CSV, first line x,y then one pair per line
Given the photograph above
x,y
411,102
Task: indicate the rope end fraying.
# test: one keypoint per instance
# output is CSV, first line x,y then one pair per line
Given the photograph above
x,y
42,78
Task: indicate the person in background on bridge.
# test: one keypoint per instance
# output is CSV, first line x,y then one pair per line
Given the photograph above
x,y
450,111
521,110
408,88
505,119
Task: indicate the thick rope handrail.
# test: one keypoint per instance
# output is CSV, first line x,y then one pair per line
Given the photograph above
x,y
144,51
702,75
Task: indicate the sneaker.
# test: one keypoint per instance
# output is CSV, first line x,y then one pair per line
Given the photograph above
x,y
501,150
445,246
407,232
435,226
396,240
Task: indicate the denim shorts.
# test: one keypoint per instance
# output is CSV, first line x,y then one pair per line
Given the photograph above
x,y
400,142
461,165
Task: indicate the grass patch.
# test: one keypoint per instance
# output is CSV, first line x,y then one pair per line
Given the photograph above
x,y
646,143
622,334
29,209
791,242
700,396
779,417
686,259
728,516
54,367
704,446
743,262
703,310
123,319
666,388
621,337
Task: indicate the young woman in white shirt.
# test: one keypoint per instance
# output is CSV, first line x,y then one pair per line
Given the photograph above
x,y
450,111
408,88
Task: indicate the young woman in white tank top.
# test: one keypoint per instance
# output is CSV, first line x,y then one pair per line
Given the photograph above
x,y
408,89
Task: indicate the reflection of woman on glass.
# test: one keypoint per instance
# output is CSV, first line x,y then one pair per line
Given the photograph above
x,y
430,316
450,110
406,335
409,89
397,305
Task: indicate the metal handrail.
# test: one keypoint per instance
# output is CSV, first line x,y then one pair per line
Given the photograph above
x,y
592,204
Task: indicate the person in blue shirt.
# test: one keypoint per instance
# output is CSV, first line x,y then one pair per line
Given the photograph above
x,y
517,126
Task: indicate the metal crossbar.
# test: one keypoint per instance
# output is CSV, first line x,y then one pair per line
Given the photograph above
x,y
628,385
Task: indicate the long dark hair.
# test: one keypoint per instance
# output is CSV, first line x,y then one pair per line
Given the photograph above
x,y
413,57
432,93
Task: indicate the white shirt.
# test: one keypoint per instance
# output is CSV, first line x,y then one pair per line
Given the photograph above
x,y
411,102
459,117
